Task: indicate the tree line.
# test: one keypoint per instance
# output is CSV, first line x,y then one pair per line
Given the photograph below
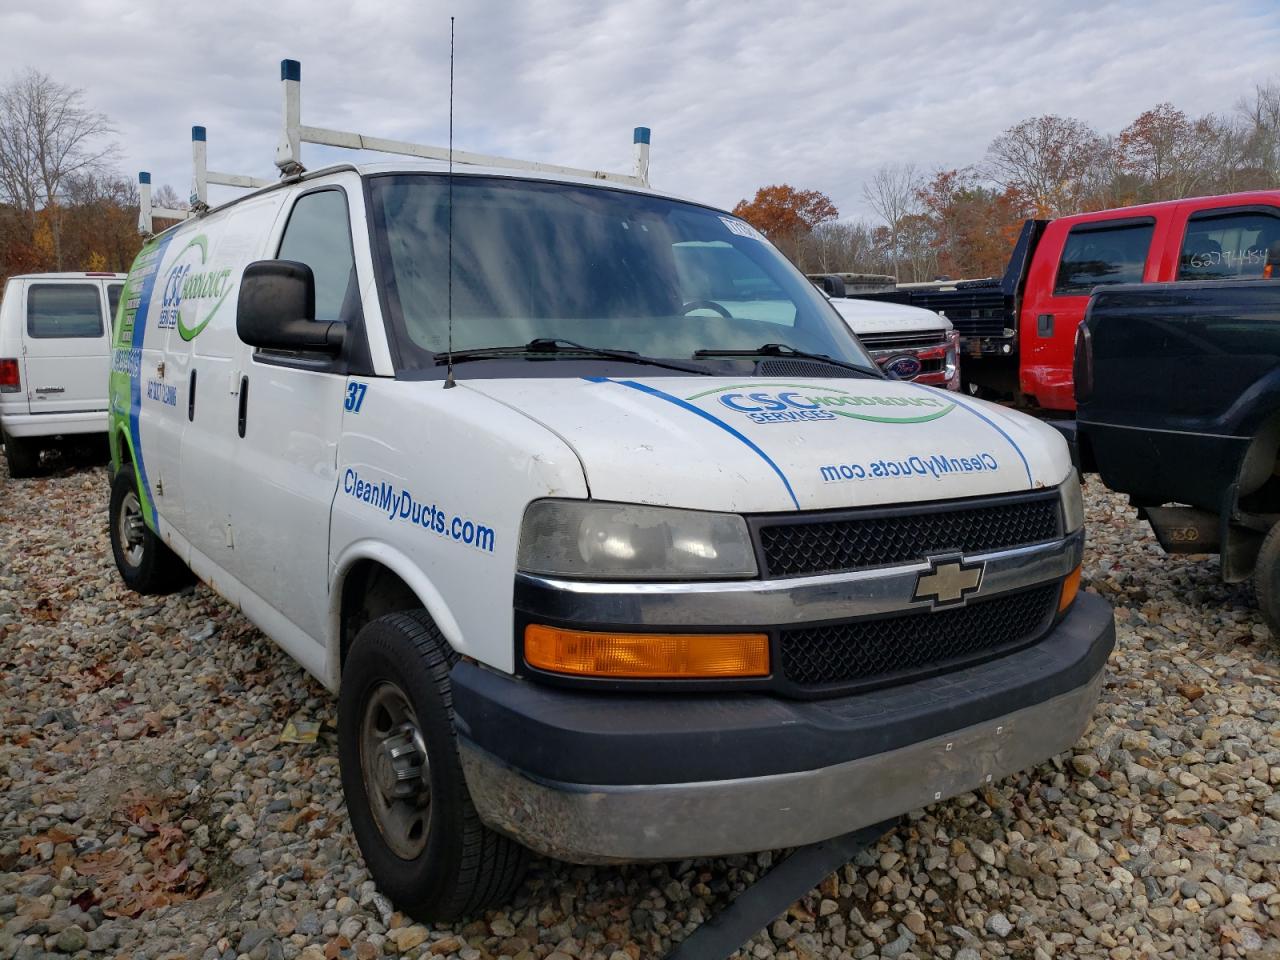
x,y
962,222
63,205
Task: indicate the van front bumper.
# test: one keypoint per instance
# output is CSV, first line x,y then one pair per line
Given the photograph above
x,y
53,424
603,777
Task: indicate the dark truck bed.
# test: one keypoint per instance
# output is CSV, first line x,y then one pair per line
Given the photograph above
x,y
1178,393
984,312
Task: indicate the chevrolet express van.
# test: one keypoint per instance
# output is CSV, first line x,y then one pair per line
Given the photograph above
x,y
612,541
55,347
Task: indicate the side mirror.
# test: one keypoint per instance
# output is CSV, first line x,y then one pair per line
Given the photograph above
x,y
831,285
277,307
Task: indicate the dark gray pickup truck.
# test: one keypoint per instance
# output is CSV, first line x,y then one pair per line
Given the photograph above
x,y
1178,395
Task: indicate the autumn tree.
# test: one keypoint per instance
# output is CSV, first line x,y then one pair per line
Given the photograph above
x,y
47,136
974,225
894,194
1168,151
786,215
1047,160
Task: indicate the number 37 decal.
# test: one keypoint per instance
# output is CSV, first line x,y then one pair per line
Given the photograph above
x,y
355,396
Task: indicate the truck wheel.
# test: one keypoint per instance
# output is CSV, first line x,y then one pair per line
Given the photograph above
x,y
144,560
412,815
23,456
1266,581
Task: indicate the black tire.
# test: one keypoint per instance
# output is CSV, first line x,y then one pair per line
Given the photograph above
x,y
145,562
461,866
23,456
1266,581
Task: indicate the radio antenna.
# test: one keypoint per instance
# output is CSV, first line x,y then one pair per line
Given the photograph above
x,y
448,380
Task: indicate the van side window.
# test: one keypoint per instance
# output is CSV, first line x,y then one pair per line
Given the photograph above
x,y
1096,255
113,298
319,235
1228,245
64,310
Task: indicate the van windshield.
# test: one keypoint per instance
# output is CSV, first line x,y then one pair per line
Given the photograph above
x,y
604,268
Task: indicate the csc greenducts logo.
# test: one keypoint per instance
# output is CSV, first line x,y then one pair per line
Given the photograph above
x,y
188,287
809,402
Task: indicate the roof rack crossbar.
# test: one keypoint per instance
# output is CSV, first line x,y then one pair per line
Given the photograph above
x,y
294,134
202,176
147,210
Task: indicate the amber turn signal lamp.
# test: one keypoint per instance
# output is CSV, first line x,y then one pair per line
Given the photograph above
x,y
655,656
1070,587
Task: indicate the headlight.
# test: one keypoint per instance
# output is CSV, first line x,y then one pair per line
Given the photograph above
x,y
621,541
1072,503
951,366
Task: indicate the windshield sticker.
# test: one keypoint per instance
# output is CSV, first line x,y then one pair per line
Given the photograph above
x,y
741,228
809,402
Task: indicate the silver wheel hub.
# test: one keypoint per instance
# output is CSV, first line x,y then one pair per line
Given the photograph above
x,y
399,763
131,529
393,760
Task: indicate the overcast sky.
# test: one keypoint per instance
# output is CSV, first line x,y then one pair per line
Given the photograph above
x,y
739,94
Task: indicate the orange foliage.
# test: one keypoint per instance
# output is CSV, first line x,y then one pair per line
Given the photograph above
x,y
783,212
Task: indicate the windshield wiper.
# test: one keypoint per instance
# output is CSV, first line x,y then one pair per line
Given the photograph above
x,y
556,347
783,350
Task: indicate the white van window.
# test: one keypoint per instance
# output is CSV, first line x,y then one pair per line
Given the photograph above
x,y
64,310
113,297
319,235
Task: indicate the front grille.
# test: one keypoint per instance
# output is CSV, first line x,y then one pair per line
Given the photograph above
x,y
830,543
879,652
903,342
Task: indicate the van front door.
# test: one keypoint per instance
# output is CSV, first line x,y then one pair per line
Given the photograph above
x,y
291,418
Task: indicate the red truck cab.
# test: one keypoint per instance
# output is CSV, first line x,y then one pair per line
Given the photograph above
x,y
1017,331
1205,238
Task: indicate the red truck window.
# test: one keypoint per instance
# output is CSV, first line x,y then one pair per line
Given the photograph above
x,y
1097,254
1229,244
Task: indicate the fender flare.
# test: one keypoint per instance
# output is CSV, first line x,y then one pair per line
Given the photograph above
x,y
398,563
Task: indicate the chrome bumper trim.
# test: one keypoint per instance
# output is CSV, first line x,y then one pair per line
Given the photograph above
x,y
720,603
601,824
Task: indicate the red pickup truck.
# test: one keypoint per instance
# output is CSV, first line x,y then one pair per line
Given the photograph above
x,y
1018,331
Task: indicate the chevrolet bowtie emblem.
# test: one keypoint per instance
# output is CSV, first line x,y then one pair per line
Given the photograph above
x,y
948,581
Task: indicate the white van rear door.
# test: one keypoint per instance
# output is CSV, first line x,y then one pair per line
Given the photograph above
x,y
65,345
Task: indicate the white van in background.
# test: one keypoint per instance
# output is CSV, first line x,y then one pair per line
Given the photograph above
x,y
54,360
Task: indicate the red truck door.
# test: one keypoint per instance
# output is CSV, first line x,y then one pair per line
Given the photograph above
x,y
1075,255
1220,243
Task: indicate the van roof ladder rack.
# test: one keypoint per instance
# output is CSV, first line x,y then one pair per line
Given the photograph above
x,y
294,134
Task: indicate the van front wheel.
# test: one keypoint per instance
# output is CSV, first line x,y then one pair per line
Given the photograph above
x,y
145,562
406,794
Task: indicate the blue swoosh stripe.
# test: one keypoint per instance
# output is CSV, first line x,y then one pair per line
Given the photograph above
x,y
644,388
999,429
135,383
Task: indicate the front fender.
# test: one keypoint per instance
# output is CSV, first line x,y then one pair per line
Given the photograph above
x,y
431,598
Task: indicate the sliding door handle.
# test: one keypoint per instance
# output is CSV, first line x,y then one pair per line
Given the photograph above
x,y
244,403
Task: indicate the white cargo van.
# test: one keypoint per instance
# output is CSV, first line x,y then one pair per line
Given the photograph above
x,y
54,353
611,539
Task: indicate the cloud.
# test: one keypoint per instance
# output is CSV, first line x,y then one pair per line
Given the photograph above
x,y
738,94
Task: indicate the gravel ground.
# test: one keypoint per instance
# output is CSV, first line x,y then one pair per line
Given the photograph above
x,y
148,807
